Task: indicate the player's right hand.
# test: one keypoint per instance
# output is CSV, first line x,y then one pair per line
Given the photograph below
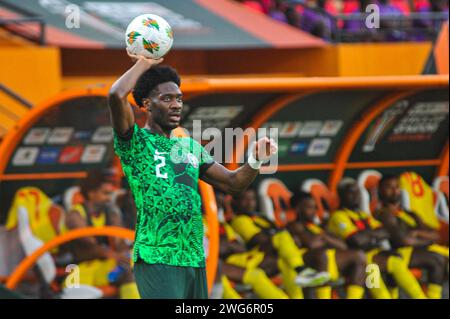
x,y
140,58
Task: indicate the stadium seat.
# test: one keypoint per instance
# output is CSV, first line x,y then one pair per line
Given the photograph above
x,y
254,5
350,6
38,220
419,197
72,196
440,186
368,184
275,201
325,200
402,5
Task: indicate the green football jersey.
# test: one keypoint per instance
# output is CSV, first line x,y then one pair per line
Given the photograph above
x,y
163,176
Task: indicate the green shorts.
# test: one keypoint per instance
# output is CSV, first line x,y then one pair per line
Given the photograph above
x,y
159,281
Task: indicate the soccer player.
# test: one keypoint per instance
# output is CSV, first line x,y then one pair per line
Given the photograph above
x,y
262,236
350,263
251,268
411,237
163,172
361,231
94,255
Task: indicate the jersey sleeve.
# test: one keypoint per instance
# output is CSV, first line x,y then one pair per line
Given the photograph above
x,y
341,225
125,144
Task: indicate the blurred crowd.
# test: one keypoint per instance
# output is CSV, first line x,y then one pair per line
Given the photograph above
x,y
324,18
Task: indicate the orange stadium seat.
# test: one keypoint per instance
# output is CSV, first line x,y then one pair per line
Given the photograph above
x,y
325,200
440,186
275,201
39,220
368,184
72,196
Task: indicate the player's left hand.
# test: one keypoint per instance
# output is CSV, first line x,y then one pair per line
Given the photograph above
x,y
265,148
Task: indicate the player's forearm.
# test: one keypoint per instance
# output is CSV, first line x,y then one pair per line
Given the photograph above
x,y
380,233
125,84
416,242
427,235
241,179
335,242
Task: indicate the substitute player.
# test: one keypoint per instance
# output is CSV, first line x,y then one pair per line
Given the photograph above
x,y
351,264
414,241
163,173
361,231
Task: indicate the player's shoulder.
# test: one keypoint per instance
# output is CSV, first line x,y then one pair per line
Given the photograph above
x,y
339,216
241,218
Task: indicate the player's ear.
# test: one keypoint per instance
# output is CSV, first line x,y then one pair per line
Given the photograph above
x,y
146,104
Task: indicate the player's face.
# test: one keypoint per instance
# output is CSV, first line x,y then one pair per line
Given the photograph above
x,y
102,195
166,106
390,191
247,202
307,209
352,197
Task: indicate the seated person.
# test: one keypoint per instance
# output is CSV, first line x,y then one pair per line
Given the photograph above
x,y
250,268
361,231
351,263
411,237
261,235
95,258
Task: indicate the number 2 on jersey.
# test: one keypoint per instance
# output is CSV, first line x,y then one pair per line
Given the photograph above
x,y
159,165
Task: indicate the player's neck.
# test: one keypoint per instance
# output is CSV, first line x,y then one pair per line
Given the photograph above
x,y
157,129
392,205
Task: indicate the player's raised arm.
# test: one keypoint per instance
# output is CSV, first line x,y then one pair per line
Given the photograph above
x,y
121,112
235,182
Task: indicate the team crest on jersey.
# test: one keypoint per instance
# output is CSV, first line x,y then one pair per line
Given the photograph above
x,y
191,159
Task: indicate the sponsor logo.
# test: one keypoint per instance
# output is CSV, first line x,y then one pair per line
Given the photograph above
x,y
310,129
25,156
93,154
103,134
331,128
70,155
36,136
290,129
60,135
298,147
48,155
82,135
319,146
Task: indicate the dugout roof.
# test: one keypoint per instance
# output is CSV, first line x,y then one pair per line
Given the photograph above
x,y
197,24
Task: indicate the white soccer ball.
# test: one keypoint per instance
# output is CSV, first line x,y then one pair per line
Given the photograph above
x,y
149,35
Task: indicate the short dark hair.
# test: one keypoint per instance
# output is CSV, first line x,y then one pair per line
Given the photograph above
x,y
343,185
151,78
93,181
250,188
299,197
387,177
